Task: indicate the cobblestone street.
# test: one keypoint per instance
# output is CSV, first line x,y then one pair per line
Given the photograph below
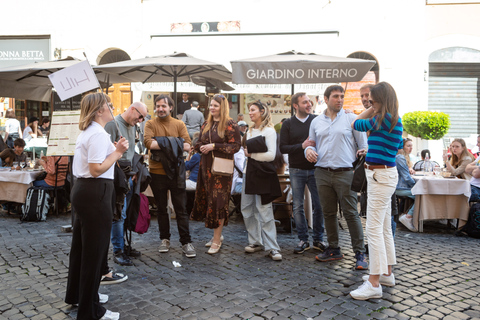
x,y
438,277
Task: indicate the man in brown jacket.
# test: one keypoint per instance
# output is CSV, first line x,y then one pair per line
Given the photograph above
x,y
166,126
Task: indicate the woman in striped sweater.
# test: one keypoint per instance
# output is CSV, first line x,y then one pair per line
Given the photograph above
x,y
385,127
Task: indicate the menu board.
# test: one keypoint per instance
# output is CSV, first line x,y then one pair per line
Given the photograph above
x,y
63,133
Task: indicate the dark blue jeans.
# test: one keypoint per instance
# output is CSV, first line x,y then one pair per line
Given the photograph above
x,y
160,185
475,196
300,178
118,242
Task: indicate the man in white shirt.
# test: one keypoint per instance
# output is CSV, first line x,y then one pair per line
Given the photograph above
x,y
337,145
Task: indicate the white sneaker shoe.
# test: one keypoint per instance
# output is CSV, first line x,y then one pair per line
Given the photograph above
x,y
275,255
209,243
387,281
251,248
102,298
164,246
109,315
407,222
367,291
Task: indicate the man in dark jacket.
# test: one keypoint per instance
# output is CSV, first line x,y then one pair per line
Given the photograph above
x,y
293,141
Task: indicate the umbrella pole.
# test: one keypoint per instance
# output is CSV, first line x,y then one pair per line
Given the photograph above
x,y
175,76
291,104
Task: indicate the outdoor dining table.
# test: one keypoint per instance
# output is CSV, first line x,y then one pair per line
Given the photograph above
x,y
14,184
440,198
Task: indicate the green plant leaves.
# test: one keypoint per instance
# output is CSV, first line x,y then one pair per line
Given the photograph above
x,y
428,125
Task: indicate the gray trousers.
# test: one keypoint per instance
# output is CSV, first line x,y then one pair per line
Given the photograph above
x,y
334,187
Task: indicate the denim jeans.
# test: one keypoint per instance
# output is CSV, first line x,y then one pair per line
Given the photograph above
x,y
407,193
160,185
381,248
334,187
475,196
116,235
300,178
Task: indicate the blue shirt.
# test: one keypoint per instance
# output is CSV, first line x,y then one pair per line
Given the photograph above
x,y
382,144
336,142
193,165
405,180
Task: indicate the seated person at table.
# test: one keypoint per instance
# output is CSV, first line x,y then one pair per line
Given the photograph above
x,y
6,158
407,150
18,146
48,163
461,157
418,166
31,130
404,187
45,127
193,164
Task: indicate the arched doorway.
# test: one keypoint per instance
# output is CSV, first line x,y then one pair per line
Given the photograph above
x,y
352,92
120,93
454,88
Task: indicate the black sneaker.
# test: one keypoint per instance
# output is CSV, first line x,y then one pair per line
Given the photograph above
x,y
115,278
361,263
302,246
319,245
131,252
122,259
330,254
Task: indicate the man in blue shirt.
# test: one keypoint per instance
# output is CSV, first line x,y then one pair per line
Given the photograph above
x,y
336,148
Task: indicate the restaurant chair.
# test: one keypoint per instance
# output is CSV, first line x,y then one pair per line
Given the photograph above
x,y
236,199
281,203
404,204
56,190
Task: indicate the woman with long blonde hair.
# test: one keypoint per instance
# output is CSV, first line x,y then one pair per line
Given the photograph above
x,y
461,157
256,210
219,137
93,200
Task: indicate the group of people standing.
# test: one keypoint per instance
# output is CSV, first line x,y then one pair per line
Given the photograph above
x,y
321,150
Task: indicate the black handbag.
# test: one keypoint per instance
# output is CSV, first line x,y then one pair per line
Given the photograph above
x,y
359,181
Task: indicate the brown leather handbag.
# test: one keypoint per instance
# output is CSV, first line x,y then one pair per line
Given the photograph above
x,y
221,166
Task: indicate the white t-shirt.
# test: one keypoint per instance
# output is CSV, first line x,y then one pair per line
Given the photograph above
x,y
26,134
93,146
13,125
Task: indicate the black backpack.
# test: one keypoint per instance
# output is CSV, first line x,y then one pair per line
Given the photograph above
x,y
36,205
472,227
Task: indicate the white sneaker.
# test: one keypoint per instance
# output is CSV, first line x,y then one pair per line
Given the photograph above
x,y
109,315
387,281
102,298
275,255
209,243
367,291
407,222
164,246
251,248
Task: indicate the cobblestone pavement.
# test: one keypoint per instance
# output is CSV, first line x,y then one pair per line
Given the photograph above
x,y
438,277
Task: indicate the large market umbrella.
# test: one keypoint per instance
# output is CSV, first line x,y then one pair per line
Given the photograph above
x,y
176,67
298,67
31,82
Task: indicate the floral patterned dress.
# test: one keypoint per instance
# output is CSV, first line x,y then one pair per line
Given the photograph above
x,y
213,191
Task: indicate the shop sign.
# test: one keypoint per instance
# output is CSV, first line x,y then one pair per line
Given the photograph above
x,y
22,51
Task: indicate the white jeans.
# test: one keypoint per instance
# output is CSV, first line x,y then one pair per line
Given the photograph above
x,y
381,186
259,221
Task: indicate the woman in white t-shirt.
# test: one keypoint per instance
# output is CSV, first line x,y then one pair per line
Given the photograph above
x,y
258,217
31,130
13,130
93,201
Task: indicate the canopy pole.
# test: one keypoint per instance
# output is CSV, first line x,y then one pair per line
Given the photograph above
x,y
175,77
291,104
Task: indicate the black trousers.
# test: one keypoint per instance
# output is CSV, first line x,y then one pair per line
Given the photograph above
x,y
160,185
93,201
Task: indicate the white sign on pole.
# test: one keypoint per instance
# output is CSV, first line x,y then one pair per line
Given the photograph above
x,y
74,80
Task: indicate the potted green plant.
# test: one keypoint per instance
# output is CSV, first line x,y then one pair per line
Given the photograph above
x,y
428,125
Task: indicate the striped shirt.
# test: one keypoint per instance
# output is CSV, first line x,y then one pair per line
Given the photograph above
x,y
382,144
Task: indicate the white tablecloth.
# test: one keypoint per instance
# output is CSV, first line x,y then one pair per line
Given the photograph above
x,y
440,198
14,185
444,186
